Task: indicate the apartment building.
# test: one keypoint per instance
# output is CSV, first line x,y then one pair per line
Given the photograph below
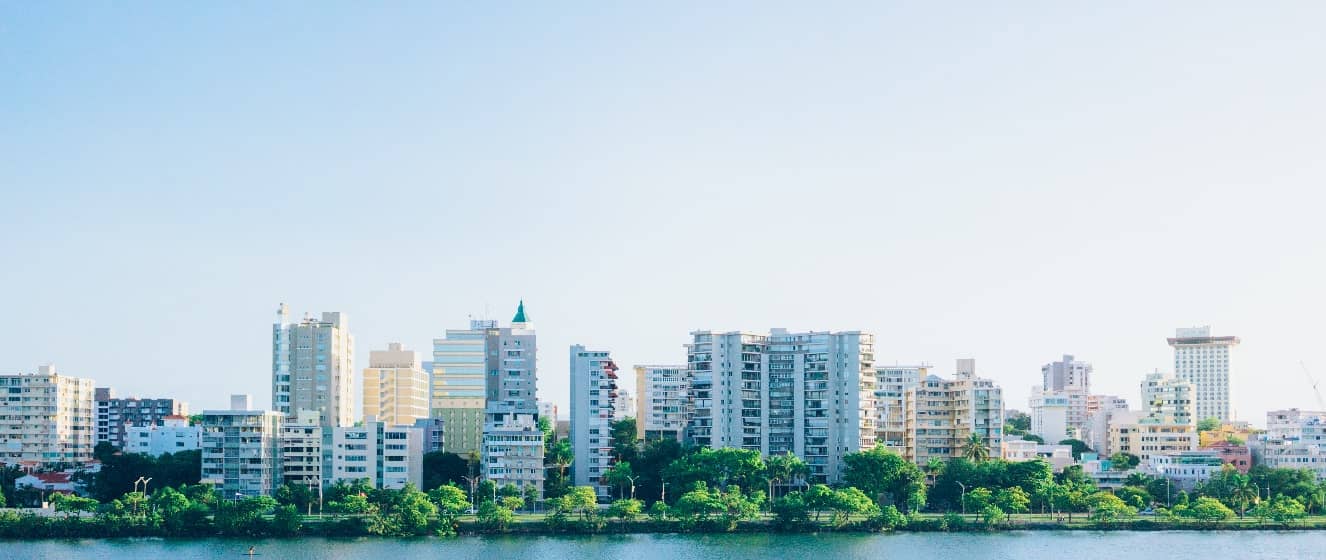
x,y
46,419
385,456
1049,415
1070,379
1099,410
241,451
808,393
942,415
1294,439
116,415
396,387
594,405
313,367
457,398
512,450
664,408
1170,398
304,442
173,435
891,386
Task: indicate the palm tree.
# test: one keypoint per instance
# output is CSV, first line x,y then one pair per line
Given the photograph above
x,y
975,449
1242,493
932,468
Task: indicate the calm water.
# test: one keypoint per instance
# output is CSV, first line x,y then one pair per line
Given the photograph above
x,y
1026,545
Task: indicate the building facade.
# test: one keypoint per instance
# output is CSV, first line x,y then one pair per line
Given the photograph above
x,y
172,436
594,405
1099,410
385,456
1049,415
396,387
1170,398
810,394
1294,439
512,451
46,418
1185,469
241,452
1204,360
313,367
459,365
891,386
943,414
303,442
663,409
116,415
1071,379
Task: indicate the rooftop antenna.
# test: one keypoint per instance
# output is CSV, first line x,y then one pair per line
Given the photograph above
x,y
1312,380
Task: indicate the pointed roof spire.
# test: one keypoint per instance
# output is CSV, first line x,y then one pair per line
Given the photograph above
x,y
520,313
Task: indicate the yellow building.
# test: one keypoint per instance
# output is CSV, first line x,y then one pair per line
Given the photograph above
x,y
395,386
1241,431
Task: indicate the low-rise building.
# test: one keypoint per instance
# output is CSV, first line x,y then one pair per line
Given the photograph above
x,y
662,406
1049,415
1185,469
1017,450
173,435
385,456
1294,439
304,441
943,414
115,416
1233,454
513,453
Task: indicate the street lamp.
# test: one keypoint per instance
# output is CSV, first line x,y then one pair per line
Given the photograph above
x,y
963,499
142,480
633,479
771,491
474,484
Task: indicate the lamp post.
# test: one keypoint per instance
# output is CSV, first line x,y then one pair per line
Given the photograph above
x,y
963,499
474,486
771,492
633,479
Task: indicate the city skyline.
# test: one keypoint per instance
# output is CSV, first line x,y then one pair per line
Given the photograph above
x,y
1010,184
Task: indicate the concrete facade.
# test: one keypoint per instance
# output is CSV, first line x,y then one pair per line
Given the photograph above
x,y
313,367
396,387
46,418
664,408
594,405
1205,361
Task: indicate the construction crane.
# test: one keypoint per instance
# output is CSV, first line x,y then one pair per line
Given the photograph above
x,y
1320,402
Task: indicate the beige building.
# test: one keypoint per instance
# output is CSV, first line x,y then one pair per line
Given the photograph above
x,y
942,414
395,386
663,406
1169,398
301,450
1166,425
46,418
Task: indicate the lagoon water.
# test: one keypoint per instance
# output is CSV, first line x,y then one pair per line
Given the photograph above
x,y
1078,545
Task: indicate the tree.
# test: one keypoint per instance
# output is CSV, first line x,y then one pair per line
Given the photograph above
x,y
1012,500
851,501
1282,509
494,517
557,457
1134,496
287,520
791,510
626,510
440,468
718,468
975,449
1033,437
70,504
620,476
623,440
1019,421
1208,424
1209,510
1079,447
1123,461
297,495
1107,507
786,469
651,462
450,502
244,517
879,472
1243,494
976,499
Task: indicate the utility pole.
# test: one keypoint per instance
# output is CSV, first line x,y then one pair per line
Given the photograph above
x,y
963,499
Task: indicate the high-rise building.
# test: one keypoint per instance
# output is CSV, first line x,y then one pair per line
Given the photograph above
x,y
1169,398
46,418
459,364
1070,379
810,394
116,415
663,405
1204,360
395,386
891,385
384,456
625,404
1294,439
594,399
313,367
241,453
172,435
512,451
943,414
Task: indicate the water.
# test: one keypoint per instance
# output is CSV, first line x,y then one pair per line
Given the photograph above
x,y
1078,545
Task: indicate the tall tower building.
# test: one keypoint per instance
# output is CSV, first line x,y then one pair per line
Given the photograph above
x,y
594,396
892,383
943,414
459,364
810,394
395,386
1204,360
1068,381
512,449
313,367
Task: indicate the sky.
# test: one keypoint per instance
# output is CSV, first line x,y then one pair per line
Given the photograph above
x,y
1005,181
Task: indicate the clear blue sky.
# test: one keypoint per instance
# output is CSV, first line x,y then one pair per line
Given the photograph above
x,y
1007,182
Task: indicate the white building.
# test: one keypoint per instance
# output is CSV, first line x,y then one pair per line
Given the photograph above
x,y
385,456
116,415
512,443
1017,450
395,386
1170,398
891,386
1204,360
594,396
663,404
313,367
46,418
172,436
1294,439
241,452
1099,410
1049,415
1071,379
625,404
1184,469
811,394
303,441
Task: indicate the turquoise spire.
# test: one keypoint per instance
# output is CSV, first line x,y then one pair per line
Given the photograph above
x,y
520,313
